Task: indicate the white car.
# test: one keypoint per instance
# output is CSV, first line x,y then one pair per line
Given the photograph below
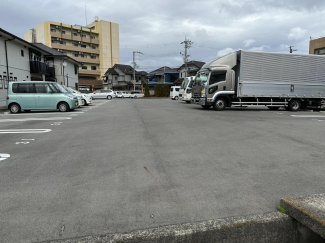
x,y
136,94
86,98
80,101
103,94
174,92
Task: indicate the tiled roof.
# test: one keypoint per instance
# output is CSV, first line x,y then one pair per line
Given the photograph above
x,y
196,63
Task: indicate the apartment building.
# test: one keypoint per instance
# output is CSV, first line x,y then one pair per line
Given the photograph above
x,y
317,46
96,46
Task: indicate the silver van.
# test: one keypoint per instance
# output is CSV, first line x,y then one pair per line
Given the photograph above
x,y
39,95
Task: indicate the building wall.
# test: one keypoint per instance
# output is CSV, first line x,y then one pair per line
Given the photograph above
x,y
182,71
316,44
18,65
69,71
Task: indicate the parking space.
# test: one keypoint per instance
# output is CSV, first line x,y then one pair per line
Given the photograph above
x,y
128,164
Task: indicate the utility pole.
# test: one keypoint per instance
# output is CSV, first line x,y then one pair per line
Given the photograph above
x,y
188,44
292,50
134,65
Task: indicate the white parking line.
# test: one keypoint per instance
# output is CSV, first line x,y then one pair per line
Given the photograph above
x,y
35,119
31,114
4,156
310,116
25,130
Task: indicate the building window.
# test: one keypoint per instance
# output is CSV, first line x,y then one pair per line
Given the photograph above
x,y
22,53
93,37
63,43
83,46
93,47
320,51
63,31
53,41
76,55
15,78
93,57
75,44
84,36
53,30
115,78
75,34
84,67
76,67
83,56
93,68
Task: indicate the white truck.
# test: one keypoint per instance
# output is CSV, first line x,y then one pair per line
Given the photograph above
x,y
187,93
242,78
182,88
174,92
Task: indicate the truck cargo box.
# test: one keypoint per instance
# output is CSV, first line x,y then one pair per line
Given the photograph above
x,y
281,75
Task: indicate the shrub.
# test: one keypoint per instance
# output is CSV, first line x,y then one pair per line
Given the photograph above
x,y
146,91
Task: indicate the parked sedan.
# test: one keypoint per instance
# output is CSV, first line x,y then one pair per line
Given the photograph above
x,y
86,98
103,94
136,94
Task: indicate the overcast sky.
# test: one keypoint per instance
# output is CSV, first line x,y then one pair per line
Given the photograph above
x,y
156,28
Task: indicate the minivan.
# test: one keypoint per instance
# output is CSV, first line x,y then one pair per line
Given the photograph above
x,y
39,95
174,92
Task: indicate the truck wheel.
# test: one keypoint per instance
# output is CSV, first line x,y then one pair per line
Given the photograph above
x,y
294,105
188,102
220,104
273,108
206,107
176,97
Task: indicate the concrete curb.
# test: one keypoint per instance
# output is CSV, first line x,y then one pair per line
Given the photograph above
x,y
272,227
309,211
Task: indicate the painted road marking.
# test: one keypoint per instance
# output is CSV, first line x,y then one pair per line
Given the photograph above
x,y
31,114
310,116
25,130
4,156
28,139
56,123
36,119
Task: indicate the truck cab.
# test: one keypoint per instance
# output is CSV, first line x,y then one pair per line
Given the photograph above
x,y
215,82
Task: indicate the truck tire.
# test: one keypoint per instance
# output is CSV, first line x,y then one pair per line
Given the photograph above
x,y
206,107
294,105
220,104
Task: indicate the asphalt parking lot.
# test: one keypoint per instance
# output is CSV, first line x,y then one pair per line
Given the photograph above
x,y
127,164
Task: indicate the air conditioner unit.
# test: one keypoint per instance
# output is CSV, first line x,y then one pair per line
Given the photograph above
x,y
80,52
58,49
79,42
57,26
91,44
79,31
58,38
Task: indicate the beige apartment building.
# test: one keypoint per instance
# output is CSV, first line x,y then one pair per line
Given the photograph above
x,y
317,46
95,45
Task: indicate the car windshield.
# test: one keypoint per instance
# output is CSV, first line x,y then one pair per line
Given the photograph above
x,y
190,84
58,88
184,84
66,88
73,90
201,77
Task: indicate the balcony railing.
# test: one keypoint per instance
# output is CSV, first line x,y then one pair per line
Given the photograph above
x,y
39,67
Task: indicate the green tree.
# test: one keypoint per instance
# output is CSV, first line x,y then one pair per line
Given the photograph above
x,y
146,91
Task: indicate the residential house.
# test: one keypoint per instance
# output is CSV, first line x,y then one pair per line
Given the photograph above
x,y
192,68
20,60
120,77
164,75
65,69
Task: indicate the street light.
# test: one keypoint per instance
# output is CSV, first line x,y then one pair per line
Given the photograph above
x,y
64,64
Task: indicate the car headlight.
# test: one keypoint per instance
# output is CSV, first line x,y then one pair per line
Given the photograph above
x,y
203,91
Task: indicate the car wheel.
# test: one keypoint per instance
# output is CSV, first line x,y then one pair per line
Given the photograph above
x,y
85,102
14,108
109,97
135,97
220,104
176,97
294,105
63,107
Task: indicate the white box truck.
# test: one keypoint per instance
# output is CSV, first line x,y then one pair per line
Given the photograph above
x,y
187,93
275,80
